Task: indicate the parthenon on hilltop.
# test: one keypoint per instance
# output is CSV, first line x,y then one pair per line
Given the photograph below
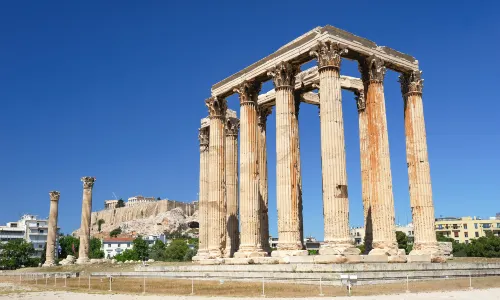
x,y
234,223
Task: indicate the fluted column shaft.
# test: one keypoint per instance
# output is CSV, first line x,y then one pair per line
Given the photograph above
x,y
289,189
381,196
52,229
419,176
232,239
203,193
263,191
83,252
217,179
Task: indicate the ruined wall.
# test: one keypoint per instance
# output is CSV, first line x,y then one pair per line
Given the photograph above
x,y
114,217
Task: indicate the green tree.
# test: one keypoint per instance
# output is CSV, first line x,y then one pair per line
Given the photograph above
x,y
95,248
441,238
15,254
99,224
115,232
120,203
69,246
128,254
176,251
402,240
157,251
141,247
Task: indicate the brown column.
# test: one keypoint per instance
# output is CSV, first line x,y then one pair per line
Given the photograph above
x,y
365,168
52,230
381,197
263,191
250,210
335,195
422,207
217,179
83,253
289,189
233,234
204,138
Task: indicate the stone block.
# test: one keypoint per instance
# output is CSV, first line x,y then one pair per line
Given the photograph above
x,y
298,259
373,258
284,253
216,261
238,261
266,260
419,258
329,259
401,252
397,259
439,258
354,259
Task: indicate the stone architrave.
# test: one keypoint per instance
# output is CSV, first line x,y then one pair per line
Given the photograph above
x,y
204,137
217,108
289,189
263,191
334,171
422,207
232,234
250,208
52,230
365,168
381,197
83,253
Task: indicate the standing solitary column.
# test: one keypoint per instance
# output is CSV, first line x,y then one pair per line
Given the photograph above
x,y
289,189
217,180
365,168
333,162
233,234
204,138
83,253
263,191
52,230
250,209
381,197
422,207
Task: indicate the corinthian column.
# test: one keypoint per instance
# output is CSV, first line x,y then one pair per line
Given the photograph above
x,y
333,164
365,168
263,191
217,179
232,238
83,253
250,209
422,207
52,231
382,200
204,138
289,189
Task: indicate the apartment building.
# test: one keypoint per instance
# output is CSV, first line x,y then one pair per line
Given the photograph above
x,y
466,228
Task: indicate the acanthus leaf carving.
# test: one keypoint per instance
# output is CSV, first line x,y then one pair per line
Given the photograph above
x,y
263,113
248,91
372,69
217,107
204,136
329,54
360,100
88,182
411,82
54,195
232,127
284,74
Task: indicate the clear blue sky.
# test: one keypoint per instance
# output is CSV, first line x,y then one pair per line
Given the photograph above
x,y
116,89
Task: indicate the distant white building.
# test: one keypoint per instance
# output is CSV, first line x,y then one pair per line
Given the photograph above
x,y
29,228
358,233
114,246
139,200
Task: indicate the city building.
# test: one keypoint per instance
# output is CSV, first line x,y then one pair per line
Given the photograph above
x,y
310,243
29,228
151,239
466,228
110,204
114,246
358,233
139,200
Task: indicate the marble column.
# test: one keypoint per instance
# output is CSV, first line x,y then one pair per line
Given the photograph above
x,y
381,197
333,161
250,209
217,179
365,169
83,253
263,190
289,189
52,230
204,138
419,175
233,233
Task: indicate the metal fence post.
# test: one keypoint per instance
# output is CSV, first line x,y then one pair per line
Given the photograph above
x,y
20,278
89,281
192,286
263,288
46,279
321,287
407,284
79,278
65,281
470,281
55,279
110,279
144,285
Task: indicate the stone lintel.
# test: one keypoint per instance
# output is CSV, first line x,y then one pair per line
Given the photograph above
x,y
298,51
230,114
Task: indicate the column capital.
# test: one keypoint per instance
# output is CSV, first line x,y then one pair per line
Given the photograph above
x,y
360,100
54,195
283,75
262,114
328,54
217,107
372,69
204,136
232,127
249,92
88,182
411,83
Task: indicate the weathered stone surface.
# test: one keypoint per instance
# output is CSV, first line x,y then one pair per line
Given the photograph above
x,y
232,234
217,261
299,259
329,259
285,253
263,178
52,229
374,258
418,258
238,261
438,258
204,138
397,259
266,260
83,253
354,259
